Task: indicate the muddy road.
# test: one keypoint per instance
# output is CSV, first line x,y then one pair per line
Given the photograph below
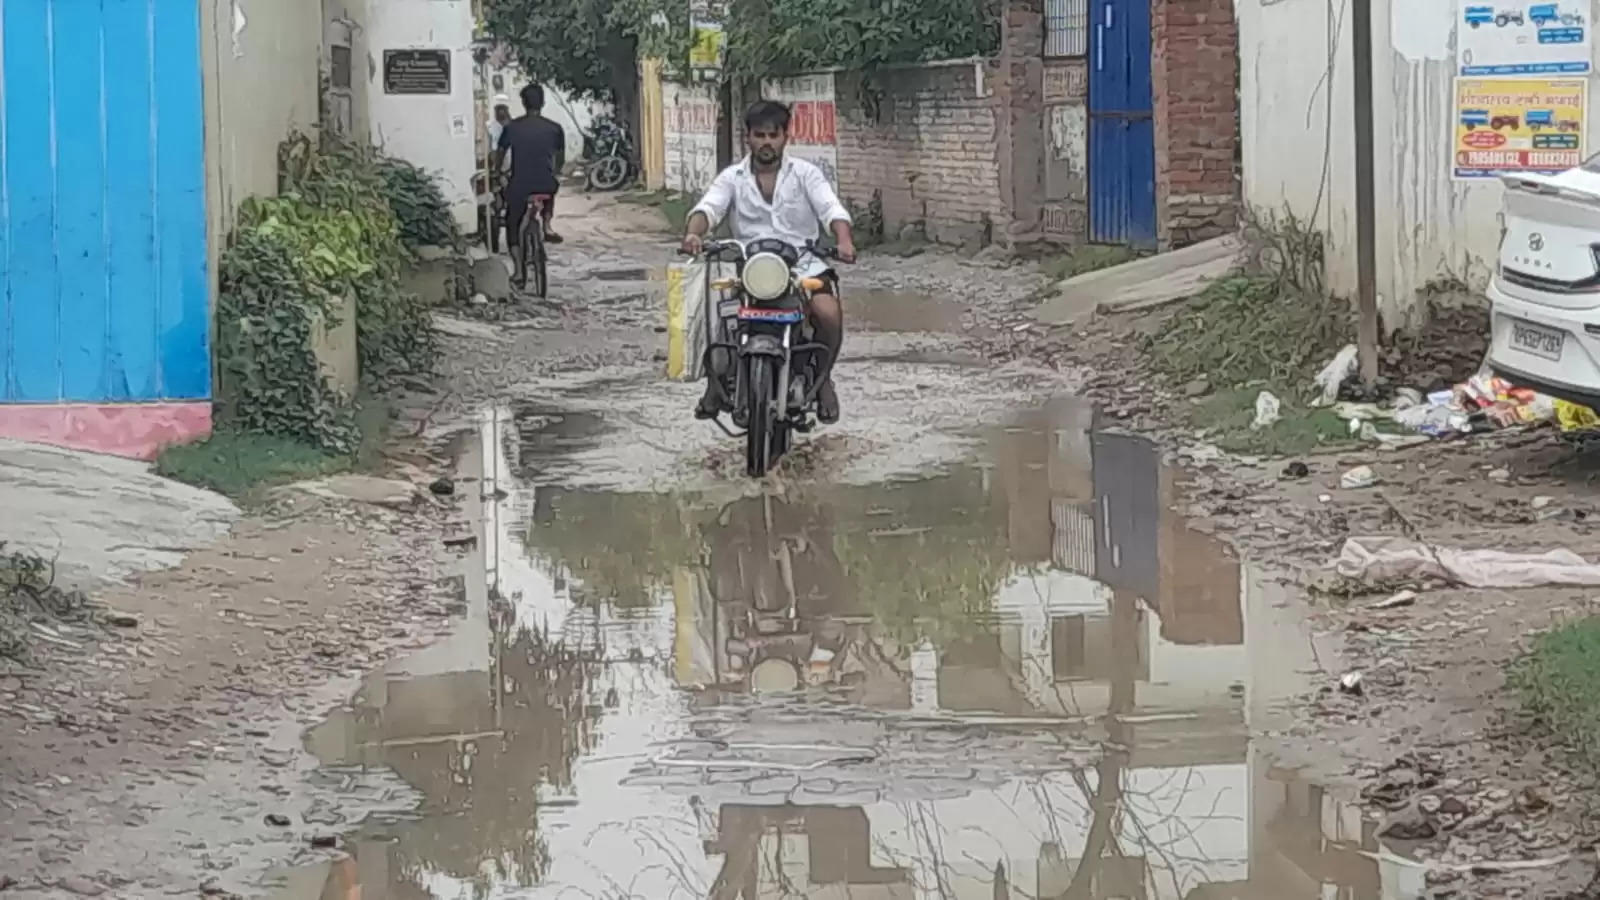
x,y
962,645
955,646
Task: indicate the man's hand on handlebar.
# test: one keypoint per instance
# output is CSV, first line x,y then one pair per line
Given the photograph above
x,y
846,251
692,245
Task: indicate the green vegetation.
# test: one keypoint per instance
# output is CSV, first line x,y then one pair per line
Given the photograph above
x,y
1301,431
335,242
1559,683
1269,323
330,243
1244,330
419,205
1268,326
240,464
784,37
589,47
1085,259
236,463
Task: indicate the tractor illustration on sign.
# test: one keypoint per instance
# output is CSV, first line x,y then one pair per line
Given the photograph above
x,y
1510,120
1568,125
1479,16
1540,119
1475,118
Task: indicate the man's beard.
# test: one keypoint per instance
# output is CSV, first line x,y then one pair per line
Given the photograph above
x,y
767,156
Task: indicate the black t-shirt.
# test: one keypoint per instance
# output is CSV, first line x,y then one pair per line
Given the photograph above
x,y
538,150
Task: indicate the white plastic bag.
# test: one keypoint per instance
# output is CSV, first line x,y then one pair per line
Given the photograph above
x,y
1334,375
1380,560
686,320
1268,410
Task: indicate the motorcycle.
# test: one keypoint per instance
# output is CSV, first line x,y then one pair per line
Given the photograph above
x,y
607,155
758,331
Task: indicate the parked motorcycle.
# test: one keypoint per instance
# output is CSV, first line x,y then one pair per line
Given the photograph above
x,y
607,155
760,353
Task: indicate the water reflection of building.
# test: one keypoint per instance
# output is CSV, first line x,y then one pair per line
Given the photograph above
x,y
485,747
1079,733
1110,609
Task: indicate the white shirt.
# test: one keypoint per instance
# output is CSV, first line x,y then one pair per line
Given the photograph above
x,y
802,201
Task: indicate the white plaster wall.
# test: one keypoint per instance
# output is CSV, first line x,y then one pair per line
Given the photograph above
x,y
1428,226
690,116
246,44
434,132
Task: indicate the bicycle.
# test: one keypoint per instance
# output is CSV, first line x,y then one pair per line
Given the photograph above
x,y
531,247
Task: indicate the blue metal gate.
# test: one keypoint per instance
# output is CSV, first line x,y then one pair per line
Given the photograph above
x,y
1122,147
102,203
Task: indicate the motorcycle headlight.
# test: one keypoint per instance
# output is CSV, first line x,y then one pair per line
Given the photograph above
x,y
766,276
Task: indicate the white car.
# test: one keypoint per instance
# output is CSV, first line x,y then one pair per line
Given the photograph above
x,y
1545,289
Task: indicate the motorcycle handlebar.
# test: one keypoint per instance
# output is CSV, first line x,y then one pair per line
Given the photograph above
x,y
715,248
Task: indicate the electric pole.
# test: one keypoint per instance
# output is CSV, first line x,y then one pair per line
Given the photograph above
x,y
1366,249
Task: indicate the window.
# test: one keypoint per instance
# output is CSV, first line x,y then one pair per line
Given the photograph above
x,y
339,67
1066,28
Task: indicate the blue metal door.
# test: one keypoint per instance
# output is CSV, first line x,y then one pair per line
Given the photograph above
x,y
1122,147
102,203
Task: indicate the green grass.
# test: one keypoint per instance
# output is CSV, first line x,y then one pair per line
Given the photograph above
x,y
673,206
1245,329
1085,259
1559,682
240,465
1301,432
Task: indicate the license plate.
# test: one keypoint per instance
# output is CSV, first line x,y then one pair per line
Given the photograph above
x,y
1537,340
753,314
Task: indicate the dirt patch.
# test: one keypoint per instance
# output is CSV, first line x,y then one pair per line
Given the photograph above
x,y
160,753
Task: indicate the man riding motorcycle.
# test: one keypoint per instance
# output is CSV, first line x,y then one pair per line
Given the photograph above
x,y
773,196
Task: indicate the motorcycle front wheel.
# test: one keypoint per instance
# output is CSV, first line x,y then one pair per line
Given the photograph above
x,y
760,434
608,174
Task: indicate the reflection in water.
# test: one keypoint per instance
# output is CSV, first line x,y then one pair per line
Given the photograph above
x,y
1024,678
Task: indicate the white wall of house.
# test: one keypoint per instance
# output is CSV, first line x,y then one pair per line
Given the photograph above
x,y
436,132
1299,151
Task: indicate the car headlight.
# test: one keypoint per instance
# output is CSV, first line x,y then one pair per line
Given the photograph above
x,y
766,276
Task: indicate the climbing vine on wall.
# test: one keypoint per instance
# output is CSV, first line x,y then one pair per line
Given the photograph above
x,y
419,204
330,241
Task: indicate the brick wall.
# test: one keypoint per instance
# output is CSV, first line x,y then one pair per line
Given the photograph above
x,y
1194,45
928,139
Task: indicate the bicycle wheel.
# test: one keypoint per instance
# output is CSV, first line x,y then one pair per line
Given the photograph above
x,y
524,251
537,261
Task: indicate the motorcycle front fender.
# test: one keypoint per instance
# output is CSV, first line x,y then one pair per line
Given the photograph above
x,y
762,345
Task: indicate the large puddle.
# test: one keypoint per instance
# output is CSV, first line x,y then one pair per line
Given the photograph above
x,y
1021,677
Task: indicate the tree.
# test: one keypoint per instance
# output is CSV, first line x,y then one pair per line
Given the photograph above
x,y
589,48
768,38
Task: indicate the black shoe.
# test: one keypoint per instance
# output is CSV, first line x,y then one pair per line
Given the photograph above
x,y
709,406
550,237
827,403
